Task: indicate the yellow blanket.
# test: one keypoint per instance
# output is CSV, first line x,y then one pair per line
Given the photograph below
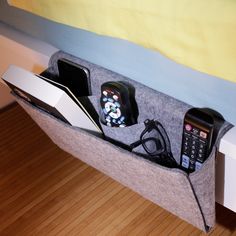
x,y
200,34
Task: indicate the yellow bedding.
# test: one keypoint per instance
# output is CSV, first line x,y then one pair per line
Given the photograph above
x,y
200,34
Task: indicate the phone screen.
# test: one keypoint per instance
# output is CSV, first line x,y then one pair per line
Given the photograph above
x,y
75,77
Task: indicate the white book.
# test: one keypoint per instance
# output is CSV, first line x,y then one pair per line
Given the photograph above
x,y
49,98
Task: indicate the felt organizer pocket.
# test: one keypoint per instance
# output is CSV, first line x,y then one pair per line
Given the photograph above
x,y
191,197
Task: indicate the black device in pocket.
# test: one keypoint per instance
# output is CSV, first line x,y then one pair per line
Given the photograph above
x,y
74,76
118,105
200,129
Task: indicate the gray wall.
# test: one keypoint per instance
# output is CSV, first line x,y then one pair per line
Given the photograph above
x,y
146,66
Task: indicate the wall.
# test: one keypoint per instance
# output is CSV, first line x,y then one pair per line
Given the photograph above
x,y
136,62
15,52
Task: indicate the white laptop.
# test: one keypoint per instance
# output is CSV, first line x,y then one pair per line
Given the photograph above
x,y
51,97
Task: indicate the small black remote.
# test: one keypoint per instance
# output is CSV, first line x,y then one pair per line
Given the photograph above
x,y
118,105
197,139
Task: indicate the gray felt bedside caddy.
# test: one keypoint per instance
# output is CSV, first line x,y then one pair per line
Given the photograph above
x,y
191,197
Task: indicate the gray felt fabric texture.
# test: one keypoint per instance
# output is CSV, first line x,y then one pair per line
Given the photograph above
x,y
190,197
158,184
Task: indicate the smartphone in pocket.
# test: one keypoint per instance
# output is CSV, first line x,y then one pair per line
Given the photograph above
x,y
74,76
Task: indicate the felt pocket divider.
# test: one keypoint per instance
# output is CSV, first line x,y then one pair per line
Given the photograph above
x,y
191,197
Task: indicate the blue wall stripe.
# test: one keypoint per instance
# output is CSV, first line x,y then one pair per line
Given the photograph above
x,y
144,65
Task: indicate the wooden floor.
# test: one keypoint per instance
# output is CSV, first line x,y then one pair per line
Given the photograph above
x,y
45,191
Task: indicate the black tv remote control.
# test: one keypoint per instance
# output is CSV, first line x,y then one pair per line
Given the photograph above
x,y
118,105
197,139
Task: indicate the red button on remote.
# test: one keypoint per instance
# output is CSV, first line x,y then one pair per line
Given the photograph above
x,y
188,127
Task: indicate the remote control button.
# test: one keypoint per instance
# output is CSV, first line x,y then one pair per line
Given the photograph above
x,y
110,100
193,151
195,138
203,134
115,113
198,165
192,167
186,140
202,145
185,161
201,150
188,127
117,104
187,134
108,106
104,99
115,97
192,161
104,93
200,157
105,111
195,131
192,156
186,144
194,142
122,118
108,119
186,148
